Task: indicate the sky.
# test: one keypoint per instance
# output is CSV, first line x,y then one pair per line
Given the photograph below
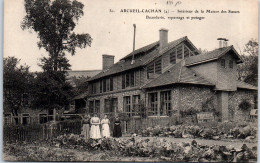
x,y
112,32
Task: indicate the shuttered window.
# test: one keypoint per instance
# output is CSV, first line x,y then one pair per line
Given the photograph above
x,y
173,57
186,52
158,66
179,52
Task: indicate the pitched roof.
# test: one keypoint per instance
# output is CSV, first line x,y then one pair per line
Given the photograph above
x,y
85,73
124,65
81,96
178,74
210,56
143,49
244,85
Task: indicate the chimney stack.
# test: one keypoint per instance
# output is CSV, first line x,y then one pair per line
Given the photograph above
x,y
223,42
163,38
108,60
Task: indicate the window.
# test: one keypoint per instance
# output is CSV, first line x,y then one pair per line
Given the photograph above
x,y
165,108
123,81
153,103
154,68
158,66
97,106
7,119
25,119
100,86
230,64
104,85
179,52
136,105
94,88
108,107
132,79
137,78
186,52
43,118
173,57
111,84
128,80
91,106
127,105
222,63
114,104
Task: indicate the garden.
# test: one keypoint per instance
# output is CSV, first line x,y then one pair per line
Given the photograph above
x,y
177,143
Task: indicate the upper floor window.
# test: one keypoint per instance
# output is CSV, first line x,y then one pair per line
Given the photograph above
x,y
154,68
128,80
230,64
223,63
173,57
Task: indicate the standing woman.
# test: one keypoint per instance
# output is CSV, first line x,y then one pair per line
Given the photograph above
x,y
105,127
117,128
85,126
95,130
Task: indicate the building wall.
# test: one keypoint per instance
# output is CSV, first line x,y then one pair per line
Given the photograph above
x,y
195,96
235,98
227,77
118,95
207,70
33,114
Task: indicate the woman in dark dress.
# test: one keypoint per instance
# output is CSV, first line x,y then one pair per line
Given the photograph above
x,y
117,128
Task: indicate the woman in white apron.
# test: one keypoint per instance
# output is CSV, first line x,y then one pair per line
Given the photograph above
x,y
105,127
95,130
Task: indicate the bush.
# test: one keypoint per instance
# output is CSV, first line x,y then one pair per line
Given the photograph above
x,y
245,105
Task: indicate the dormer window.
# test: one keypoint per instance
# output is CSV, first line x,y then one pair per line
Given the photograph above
x,y
230,64
222,63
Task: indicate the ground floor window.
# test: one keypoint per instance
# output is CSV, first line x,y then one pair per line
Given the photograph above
x,y
127,105
152,103
165,108
97,106
7,119
115,104
94,106
111,105
136,105
43,118
91,106
25,119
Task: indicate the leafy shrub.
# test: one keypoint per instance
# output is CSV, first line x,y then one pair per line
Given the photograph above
x,y
245,105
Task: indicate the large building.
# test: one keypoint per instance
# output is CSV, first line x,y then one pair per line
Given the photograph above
x,y
165,79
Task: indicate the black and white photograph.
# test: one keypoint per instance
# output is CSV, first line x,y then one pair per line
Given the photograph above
x,y
130,81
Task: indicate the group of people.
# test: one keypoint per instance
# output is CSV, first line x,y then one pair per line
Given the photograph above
x,y
91,127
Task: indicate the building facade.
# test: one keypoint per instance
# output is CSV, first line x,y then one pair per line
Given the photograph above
x,y
167,79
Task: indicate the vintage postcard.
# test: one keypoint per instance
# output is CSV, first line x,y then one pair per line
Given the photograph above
x,y
130,80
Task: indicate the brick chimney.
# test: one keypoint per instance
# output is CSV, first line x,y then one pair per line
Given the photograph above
x,y
163,38
108,60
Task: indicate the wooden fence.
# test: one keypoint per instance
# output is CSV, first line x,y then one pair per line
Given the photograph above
x,y
33,132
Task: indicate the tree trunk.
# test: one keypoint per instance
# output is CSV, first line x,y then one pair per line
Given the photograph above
x,y
15,114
